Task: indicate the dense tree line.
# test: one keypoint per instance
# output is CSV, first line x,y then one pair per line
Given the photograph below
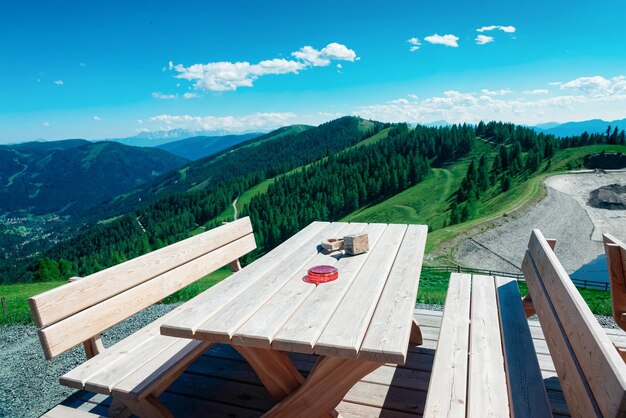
x,y
340,184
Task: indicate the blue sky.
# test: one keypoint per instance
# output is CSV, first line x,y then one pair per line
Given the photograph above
x,y
98,69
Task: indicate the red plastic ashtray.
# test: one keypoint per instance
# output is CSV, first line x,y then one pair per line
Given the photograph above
x,y
321,274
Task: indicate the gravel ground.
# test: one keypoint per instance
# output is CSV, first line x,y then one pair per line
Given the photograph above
x,y
29,384
558,216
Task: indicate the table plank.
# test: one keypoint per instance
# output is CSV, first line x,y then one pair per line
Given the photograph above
x,y
448,382
346,329
197,310
260,329
388,334
221,327
304,327
487,388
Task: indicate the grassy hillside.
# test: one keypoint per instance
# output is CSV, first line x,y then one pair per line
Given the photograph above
x,y
428,202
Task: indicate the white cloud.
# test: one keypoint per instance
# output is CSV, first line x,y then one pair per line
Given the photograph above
x,y
598,86
58,82
97,118
501,92
483,39
161,96
412,96
447,40
594,97
45,124
231,123
555,83
536,91
190,95
140,121
507,29
415,44
229,76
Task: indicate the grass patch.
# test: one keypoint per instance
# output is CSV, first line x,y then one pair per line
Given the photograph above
x,y
199,286
16,295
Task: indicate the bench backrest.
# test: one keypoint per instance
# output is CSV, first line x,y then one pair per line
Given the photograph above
x,y
75,312
616,260
591,372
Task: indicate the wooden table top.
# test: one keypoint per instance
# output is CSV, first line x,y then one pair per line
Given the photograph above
x,y
366,313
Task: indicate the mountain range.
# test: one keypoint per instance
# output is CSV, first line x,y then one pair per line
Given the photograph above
x,y
198,147
70,177
576,128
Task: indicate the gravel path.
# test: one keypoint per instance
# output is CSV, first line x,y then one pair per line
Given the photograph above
x,y
29,384
558,216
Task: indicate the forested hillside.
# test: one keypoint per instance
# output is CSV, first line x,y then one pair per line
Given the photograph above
x,y
318,173
71,177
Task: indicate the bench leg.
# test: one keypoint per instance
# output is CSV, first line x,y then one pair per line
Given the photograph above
x,y
93,347
416,334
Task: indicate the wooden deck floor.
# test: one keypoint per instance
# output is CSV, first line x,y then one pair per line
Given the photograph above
x,y
221,384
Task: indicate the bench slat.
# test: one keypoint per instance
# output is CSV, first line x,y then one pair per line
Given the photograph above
x,y
525,383
64,335
578,395
388,335
616,259
59,303
486,394
447,391
600,362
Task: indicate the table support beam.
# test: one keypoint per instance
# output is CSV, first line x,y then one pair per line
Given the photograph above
x,y
323,390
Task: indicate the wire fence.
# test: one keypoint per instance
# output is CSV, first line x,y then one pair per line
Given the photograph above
x,y
579,283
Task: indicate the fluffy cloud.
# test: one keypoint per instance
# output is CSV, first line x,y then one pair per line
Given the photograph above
x,y
598,86
483,39
161,96
58,82
190,95
97,118
447,40
536,91
229,76
592,97
230,123
501,92
507,29
415,44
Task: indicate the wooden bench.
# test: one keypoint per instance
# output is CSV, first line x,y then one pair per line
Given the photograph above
x,y
615,251
136,370
591,372
485,363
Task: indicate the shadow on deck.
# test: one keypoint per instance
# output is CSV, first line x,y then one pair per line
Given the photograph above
x,y
221,384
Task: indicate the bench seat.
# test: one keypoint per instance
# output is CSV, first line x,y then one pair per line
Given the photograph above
x,y
485,363
137,365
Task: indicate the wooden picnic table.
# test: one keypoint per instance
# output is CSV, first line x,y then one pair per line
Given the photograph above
x,y
355,324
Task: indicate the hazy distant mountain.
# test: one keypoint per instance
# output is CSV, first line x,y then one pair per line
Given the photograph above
x,y
158,138
70,177
203,146
576,128
547,125
436,123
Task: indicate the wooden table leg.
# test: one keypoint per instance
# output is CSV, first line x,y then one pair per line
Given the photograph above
x,y
416,334
325,387
274,368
